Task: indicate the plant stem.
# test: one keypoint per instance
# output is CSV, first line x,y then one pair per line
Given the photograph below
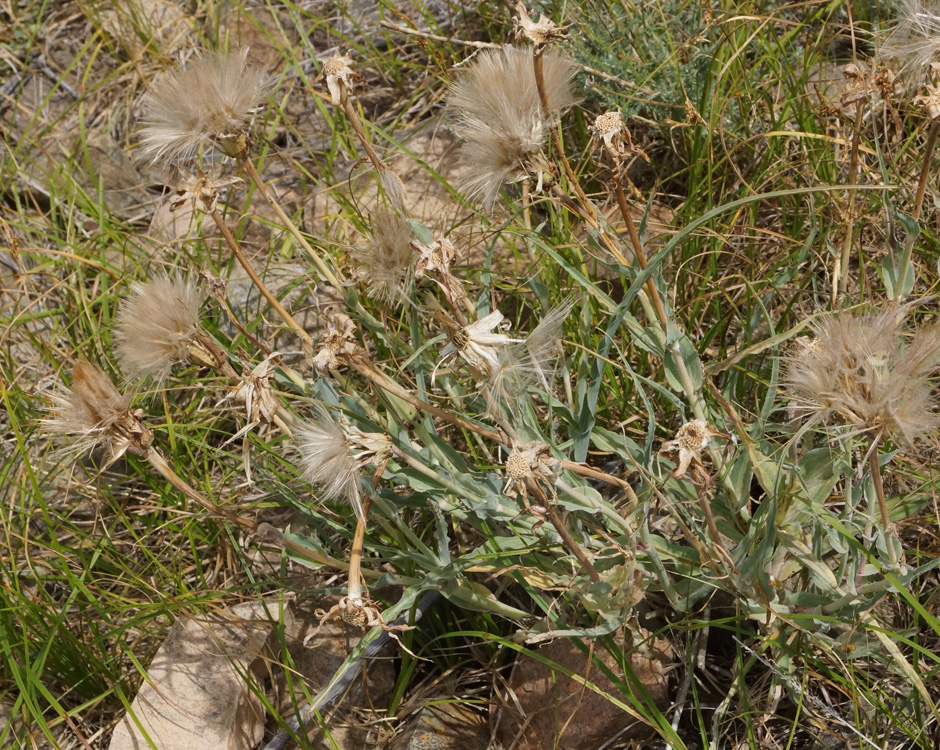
x,y
354,587
840,276
249,167
239,254
369,371
875,468
562,530
638,249
925,167
158,462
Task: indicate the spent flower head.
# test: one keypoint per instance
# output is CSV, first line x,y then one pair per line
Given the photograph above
x,y
95,414
158,326
859,371
498,113
338,342
340,77
385,263
332,456
206,103
691,439
540,33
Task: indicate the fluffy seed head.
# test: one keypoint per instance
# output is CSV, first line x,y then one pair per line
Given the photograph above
x,y
95,414
860,371
157,326
497,111
326,461
914,40
207,103
530,361
385,263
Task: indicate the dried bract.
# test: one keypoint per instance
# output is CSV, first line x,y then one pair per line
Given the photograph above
x,y
690,440
201,189
95,414
158,326
541,33
207,103
338,342
385,263
332,457
479,344
340,77
859,371
497,111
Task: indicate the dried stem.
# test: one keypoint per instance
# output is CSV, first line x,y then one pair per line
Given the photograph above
x,y
249,167
840,275
875,467
562,530
256,280
354,587
368,371
638,249
925,167
163,468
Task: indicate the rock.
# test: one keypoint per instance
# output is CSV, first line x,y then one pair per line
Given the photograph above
x,y
196,693
318,661
564,715
444,726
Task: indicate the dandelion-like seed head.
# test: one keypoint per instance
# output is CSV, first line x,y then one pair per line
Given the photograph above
x,y
914,40
498,113
332,456
96,415
158,326
529,361
385,263
326,461
208,103
859,371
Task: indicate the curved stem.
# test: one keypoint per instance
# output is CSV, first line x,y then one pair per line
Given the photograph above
x,y
240,256
249,167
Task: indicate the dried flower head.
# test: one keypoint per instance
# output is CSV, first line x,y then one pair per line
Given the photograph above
x,y
332,457
498,113
914,40
96,415
201,189
205,104
158,326
478,344
541,33
434,262
859,371
690,440
531,460
338,341
340,77
385,263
